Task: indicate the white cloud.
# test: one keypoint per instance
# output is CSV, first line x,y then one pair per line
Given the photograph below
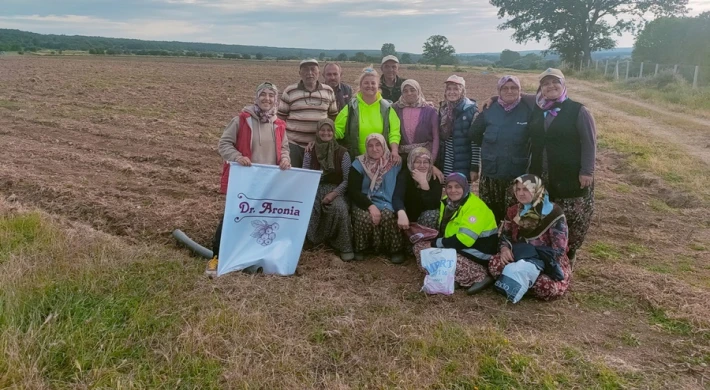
x,y
381,13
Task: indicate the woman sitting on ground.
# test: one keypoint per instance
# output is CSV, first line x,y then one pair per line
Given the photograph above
x,y
330,219
255,136
467,225
422,195
538,223
376,189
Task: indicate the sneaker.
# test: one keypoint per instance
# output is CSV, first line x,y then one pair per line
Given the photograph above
x,y
347,256
211,270
480,286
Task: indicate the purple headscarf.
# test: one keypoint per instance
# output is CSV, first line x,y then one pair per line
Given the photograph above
x,y
508,107
548,105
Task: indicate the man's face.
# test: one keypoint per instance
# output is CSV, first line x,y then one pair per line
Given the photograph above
x,y
331,74
389,69
309,73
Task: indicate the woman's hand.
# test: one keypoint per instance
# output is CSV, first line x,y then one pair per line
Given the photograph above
x,y
285,164
394,156
375,214
309,147
474,177
585,181
485,104
402,220
420,178
438,174
506,255
244,161
330,197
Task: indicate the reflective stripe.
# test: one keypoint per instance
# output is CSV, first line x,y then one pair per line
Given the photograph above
x,y
468,232
477,254
489,233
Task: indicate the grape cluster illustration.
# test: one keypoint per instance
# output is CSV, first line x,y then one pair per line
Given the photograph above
x,y
264,232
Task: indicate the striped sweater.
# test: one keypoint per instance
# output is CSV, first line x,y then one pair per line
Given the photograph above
x,y
302,109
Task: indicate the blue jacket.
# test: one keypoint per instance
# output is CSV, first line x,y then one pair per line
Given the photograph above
x,y
458,153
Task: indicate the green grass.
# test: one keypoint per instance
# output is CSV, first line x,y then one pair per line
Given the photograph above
x,y
698,247
600,301
604,251
659,318
9,105
660,206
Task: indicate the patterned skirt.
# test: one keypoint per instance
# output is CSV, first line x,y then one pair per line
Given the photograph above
x,y
332,223
468,272
578,212
544,288
496,194
385,238
430,219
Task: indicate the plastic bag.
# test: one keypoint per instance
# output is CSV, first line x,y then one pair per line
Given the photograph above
x,y
516,279
440,265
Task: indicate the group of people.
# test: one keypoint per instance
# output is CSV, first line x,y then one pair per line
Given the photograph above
x,y
390,160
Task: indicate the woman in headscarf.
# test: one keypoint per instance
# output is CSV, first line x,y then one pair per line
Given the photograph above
x,y
502,131
419,121
456,151
257,136
467,225
422,195
330,219
533,243
563,145
376,189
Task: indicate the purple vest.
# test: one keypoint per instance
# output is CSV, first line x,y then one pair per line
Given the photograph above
x,y
423,132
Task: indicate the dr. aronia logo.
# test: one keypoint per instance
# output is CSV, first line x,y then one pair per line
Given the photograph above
x,y
267,208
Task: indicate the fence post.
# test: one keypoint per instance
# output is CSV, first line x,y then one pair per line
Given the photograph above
x,y
675,68
581,61
628,65
589,63
616,70
606,66
695,77
641,71
656,72
596,65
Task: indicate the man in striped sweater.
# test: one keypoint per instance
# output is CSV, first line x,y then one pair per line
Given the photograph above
x,y
302,106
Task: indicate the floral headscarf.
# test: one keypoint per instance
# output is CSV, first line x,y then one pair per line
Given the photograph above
x,y
538,215
376,168
503,80
264,116
416,153
421,101
549,106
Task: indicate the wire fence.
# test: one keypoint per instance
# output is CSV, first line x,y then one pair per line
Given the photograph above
x,y
697,75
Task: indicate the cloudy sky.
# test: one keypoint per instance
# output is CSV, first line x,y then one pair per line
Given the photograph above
x,y
355,24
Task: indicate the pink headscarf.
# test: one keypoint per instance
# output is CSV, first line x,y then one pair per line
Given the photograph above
x,y
508,107
548,105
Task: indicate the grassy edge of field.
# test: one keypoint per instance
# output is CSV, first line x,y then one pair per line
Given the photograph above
x,y
81,309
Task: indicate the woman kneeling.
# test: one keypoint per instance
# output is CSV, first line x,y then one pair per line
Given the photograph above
x,y
469,226
533,245
376,189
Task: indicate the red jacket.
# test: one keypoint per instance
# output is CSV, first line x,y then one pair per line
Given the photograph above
x,y
243,144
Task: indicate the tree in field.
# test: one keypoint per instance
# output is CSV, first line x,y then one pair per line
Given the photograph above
x,y
437,51
388,50
406,59
675,40
576,28
246,56
342,57
259,56
321,56
359,57
507,57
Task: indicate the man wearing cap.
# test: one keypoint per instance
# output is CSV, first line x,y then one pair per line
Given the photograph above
x,y
302,106
332,74
390,83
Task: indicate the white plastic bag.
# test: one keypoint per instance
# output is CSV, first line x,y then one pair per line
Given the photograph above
x,y
441,268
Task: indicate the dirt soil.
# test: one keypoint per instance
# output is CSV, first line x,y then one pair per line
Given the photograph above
x,y
128,146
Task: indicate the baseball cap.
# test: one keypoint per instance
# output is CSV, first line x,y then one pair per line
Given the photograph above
x,y
456,80
552,72
389,58
308,61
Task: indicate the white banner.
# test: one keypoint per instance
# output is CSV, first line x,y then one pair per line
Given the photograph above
x,y
266,218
